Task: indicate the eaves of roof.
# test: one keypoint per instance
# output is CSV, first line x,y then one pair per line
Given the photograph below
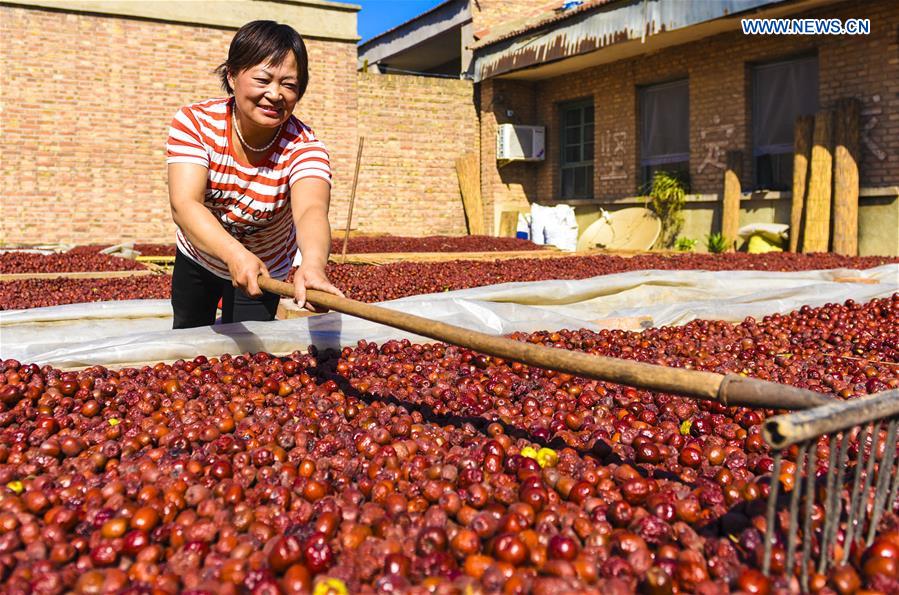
x,y
363,45
577,35
552,14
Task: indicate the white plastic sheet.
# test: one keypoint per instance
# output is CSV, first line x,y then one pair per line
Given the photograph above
x,y
122,309
124,333
41,249
40,330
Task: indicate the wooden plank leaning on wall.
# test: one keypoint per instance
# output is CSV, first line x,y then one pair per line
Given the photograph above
x,y
802,148
730,213
845,177
816,237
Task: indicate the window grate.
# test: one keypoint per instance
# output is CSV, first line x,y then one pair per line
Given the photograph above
x,y
781,92
577,151
664,129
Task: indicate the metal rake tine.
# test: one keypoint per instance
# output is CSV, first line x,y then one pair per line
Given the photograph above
x,y
834,511
793,529
866,487
883,480
855,494
770,519
831,477
891,499
810,481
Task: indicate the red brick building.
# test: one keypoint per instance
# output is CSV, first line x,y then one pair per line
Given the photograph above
x,y
623,87
89,91
89,88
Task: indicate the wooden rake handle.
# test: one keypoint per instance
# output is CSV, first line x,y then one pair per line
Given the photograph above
x,y
785,430
732,389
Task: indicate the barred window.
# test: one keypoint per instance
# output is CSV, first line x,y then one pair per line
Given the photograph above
x,y
577,149
781,92
665,128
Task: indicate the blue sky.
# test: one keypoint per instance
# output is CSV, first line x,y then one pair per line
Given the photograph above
x,y
378,16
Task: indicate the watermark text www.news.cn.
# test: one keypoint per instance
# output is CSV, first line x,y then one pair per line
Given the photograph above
x,y
806,26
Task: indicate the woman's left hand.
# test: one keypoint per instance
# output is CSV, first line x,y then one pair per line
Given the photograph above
x,y
311,278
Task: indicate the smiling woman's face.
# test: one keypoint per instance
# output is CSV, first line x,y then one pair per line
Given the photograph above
x,y
266,94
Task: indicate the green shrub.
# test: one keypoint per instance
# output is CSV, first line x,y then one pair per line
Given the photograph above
x,y
716,243
684,244
667,196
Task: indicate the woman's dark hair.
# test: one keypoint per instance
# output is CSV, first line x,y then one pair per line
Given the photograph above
x,y
264,41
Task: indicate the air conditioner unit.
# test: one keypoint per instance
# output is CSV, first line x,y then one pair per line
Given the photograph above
x,y
520,143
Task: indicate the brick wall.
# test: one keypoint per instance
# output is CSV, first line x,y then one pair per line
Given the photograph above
x,y
866,67
486,15
415,128
506,188
330,108
86,104
87,126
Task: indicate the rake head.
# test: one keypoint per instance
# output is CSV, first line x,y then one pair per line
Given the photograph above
x,y
844,481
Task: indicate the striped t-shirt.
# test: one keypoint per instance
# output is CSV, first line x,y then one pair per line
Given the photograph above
x,y
252,203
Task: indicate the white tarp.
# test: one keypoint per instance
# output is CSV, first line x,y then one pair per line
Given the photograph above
x,y
121,333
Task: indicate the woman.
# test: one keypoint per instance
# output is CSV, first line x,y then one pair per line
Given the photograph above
x,y
248,185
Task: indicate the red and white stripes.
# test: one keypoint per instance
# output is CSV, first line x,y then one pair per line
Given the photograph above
x,y
251,202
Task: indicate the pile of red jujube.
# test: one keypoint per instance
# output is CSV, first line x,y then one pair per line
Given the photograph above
x,y
68,262
372,244
423,468
144,249
375,283
155,249
371,283
37,293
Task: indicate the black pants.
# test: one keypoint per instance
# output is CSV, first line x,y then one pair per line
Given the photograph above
x,y
196,292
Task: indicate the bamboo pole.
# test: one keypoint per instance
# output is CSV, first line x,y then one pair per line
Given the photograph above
x,y
845,177
732,389
730,215
817,211
349,217
802,148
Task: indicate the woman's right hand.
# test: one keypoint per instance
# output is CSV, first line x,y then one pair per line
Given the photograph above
x,y
245,267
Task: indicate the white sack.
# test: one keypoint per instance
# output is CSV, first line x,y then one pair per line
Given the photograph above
x,y
539,217
563,233
774,232
523,229
554,225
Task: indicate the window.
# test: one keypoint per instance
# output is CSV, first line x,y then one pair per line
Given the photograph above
x,y
577,149
665,129
781,92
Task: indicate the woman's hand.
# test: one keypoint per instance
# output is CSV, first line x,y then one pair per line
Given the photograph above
x,y
245,267
311,278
